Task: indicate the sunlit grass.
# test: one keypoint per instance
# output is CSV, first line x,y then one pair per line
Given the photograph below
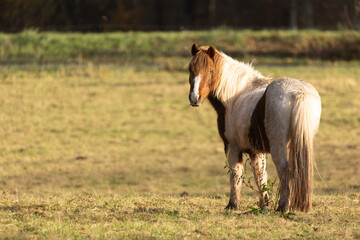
x,y
166,217
105,151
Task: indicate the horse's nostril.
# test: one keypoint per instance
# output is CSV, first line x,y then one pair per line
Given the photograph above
x,y
194,99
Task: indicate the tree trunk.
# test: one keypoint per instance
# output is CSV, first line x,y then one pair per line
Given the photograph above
x,y
309,14
212,11
293,14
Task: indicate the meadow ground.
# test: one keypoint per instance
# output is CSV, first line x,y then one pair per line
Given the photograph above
x,y
107,151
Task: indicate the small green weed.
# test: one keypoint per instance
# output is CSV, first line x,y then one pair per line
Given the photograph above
x,y
271,196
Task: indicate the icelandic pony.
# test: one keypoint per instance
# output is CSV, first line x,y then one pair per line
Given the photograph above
x,y
259,117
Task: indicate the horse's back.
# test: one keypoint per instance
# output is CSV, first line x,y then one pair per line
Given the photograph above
x,y
287,86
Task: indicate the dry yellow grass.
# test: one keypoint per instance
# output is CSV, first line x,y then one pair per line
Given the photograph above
x,y
74,137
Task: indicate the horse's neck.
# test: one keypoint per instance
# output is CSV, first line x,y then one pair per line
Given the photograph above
x,y
217,104
234,78
221,111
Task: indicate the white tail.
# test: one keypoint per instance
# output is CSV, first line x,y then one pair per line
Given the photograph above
x,y
304,123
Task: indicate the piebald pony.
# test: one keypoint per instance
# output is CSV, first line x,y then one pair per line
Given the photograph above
x,y
256,116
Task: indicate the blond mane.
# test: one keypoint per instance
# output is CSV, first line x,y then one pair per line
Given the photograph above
x,y
234,77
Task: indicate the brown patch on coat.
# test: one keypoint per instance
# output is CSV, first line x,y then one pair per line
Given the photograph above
x,y
220,110
257,134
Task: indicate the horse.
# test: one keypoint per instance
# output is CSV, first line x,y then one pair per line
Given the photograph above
x,y
258,116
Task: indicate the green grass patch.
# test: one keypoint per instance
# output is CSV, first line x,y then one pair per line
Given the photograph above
x,y
171,50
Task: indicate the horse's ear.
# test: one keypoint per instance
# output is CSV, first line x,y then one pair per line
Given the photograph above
x,y
211,51
194,49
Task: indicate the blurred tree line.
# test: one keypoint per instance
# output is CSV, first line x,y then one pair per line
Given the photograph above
x,y
110,15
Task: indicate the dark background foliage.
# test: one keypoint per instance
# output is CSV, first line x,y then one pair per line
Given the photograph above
x,y
111,15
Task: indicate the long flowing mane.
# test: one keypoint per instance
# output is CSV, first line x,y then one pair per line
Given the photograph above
x,y
234,77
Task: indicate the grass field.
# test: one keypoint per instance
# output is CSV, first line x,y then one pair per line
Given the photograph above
x,y
113,151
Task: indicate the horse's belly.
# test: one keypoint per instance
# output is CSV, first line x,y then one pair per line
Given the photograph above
x,y
237,135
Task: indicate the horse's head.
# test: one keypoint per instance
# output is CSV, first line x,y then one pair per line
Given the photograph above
x,y
202,73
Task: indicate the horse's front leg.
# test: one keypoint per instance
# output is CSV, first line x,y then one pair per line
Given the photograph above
x,y
258,163
236,166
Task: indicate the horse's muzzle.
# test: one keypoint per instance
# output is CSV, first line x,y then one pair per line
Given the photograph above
x,y
194,100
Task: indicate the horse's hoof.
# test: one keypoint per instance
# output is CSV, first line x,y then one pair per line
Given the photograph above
x,y
281,209
264,205
231,206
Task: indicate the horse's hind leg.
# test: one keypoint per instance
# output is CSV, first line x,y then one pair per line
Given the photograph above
x,y
258,163
279,156
236,166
